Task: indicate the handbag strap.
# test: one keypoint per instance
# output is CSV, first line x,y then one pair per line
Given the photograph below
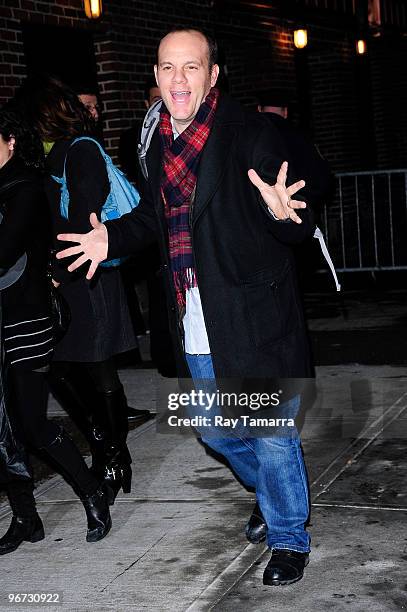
x,y
101,149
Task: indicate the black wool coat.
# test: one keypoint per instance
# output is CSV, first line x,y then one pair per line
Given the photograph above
x,y
25,229
100,324
243,257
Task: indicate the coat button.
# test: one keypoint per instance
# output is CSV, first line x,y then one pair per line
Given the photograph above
x,y
273,285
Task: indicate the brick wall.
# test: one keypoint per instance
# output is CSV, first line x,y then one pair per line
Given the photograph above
x,y
256,43
125,44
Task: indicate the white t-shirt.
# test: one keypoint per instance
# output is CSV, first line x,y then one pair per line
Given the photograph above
x,y
196,338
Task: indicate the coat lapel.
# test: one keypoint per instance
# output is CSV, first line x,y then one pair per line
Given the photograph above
x,y
212,165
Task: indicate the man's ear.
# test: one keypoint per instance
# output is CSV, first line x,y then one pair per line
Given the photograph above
x,y
155,74
214,74
12,143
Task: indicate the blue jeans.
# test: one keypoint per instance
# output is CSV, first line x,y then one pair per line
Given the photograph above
x,y
273,466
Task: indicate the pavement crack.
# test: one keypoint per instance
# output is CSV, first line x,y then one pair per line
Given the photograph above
x,y
126,569
359,506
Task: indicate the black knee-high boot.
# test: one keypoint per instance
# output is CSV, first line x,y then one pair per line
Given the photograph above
x,y
75,398
112,422
94,497
26,525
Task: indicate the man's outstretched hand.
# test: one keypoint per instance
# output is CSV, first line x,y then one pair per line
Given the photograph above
x,y
278,196
91,247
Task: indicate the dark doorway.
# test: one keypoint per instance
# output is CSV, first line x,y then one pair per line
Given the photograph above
x,y
66,53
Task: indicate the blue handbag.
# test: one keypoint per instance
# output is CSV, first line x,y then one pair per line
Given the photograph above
x,y
122,198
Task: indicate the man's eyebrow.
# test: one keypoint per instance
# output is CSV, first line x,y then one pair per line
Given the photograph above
x,y
191,61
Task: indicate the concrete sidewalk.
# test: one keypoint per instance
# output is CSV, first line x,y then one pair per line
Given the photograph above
x,y
177,541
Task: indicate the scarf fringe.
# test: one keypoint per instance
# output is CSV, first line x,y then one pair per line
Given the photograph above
x,y
184,280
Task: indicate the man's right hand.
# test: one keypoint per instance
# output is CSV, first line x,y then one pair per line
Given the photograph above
x,y
91,247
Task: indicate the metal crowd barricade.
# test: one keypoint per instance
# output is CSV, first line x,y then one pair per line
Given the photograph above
x,y
365,225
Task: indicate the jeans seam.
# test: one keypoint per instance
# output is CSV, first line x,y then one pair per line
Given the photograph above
x,y
304,479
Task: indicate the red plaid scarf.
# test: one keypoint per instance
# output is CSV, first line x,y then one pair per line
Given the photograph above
x,y
180,164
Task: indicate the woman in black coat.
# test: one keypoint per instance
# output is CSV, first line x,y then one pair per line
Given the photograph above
x,y
85,378
28,339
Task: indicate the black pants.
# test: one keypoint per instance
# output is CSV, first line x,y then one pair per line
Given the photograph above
x,y
28,407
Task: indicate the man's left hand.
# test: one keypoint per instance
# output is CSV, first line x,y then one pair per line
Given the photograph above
x,y
278,196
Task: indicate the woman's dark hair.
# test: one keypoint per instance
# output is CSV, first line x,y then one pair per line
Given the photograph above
x,y
28,146
53,109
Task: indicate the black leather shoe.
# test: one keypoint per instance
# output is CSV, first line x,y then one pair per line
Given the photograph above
x,y
285,567
21,530
98,514
256,528
135,415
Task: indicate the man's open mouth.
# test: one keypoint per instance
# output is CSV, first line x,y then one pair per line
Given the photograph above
x,y
180,96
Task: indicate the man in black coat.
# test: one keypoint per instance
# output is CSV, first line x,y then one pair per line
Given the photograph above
x,y
234,307
308,163
304,155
